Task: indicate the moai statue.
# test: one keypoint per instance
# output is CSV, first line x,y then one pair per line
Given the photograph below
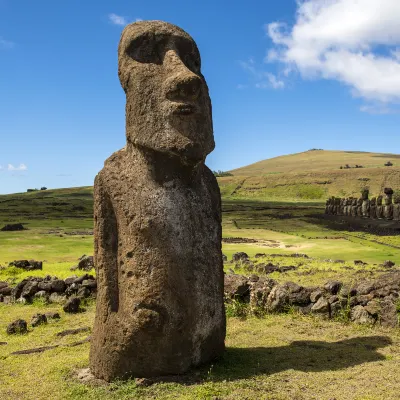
x,y
372,208
388,207
333,200
365,203
359,207
337,205
327,204
379,207
331,205
354,208
157,217
342,205
396,207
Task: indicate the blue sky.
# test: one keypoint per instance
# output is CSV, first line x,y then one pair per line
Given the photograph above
x,y
284,77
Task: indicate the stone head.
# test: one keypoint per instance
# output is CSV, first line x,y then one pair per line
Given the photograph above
x,y
168,108
360,201
364,194
373,201
388,200
396,198
354,201
379,200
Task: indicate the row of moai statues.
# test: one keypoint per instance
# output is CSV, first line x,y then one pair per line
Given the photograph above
x,y
381,207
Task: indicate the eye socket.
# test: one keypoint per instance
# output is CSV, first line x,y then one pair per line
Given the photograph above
x,y
190,56
145,49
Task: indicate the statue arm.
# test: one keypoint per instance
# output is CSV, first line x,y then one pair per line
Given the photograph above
x,y
106,245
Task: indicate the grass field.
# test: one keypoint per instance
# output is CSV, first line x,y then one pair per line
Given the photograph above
x,y
285,356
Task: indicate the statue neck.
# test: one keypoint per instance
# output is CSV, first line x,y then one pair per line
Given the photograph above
x,y
163,167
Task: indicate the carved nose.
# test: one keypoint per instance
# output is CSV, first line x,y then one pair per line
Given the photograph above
x,y
183,87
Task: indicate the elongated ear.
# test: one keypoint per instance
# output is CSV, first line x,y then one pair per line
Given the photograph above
x,y
106,247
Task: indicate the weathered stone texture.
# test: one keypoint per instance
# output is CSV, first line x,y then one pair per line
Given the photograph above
x,y
158,217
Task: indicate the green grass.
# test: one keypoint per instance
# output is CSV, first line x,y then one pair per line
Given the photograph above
x,y
282,357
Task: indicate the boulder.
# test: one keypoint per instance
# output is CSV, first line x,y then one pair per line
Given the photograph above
x,y
72,305
388,314
86,263
321,306
388,264
236,287
29,289
278,299
17,327
52,315
41,294
360,315
333,287
315,295
240,256
27,265
12,228
38,319
57,298
58,286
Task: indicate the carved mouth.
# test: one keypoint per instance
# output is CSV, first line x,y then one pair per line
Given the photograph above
x,y
185,109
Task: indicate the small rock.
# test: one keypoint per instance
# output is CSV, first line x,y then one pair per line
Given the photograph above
x,y
361,316
388,264
388,316
57,298
52,315
38,319
240,256
41,294
315,295
58,286
321,306
333,287
72,305
17,327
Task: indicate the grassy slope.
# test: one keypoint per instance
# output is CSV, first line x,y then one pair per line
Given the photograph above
x,y
276,357
312,175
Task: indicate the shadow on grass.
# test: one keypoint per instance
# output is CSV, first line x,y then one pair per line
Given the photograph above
x,y
307,356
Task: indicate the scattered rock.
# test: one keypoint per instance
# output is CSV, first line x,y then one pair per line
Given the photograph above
x,y
388,264
57,298
17,327
388,315
38,319
361,316
12,228
236,287
240,256
333,287
278,299
36,350
321,306
72,305
73,331
315,295
27,265
86,263
52,315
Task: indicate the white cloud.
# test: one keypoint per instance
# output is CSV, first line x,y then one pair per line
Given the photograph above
x,y
117,19
6,44
262,79
21,167
356,42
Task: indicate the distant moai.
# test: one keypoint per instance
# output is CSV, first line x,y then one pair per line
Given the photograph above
x,y
327,204
157,214
365,203
354,207
388,206
337,205
372,208
396,207
359,207
379,207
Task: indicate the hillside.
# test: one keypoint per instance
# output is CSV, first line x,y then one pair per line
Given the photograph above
x,y
317,160
313,175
